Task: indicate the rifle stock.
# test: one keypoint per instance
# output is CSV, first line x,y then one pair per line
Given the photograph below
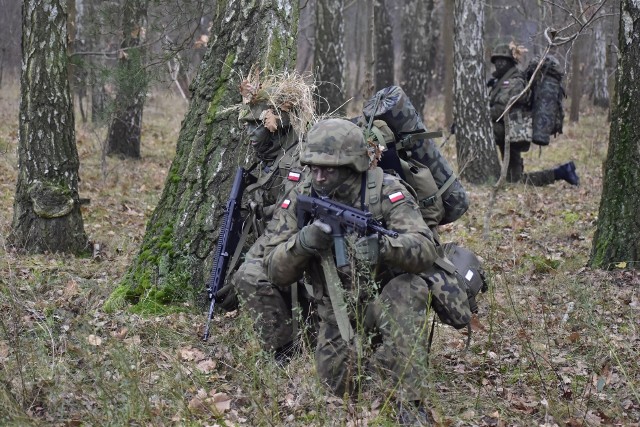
x,y
228,239
342,219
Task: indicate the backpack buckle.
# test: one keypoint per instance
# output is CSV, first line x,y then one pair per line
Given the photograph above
x,y
428,201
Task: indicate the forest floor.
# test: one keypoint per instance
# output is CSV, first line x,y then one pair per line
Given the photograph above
x,y
554,343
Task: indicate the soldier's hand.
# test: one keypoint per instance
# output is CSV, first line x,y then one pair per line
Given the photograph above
x,y
492,82
367,249
315,237
227,298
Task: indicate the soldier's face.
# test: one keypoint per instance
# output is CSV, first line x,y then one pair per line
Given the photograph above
x,y
502,65
325,180
257,133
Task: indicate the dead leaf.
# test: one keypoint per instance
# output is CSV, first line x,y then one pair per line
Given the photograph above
x,y
206,366
94,340
476,325
222,402
270,121
574,337
4,350
191,354
121,333
134,340
71,289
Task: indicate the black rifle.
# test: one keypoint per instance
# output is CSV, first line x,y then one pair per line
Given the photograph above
x,y
230,233
342,219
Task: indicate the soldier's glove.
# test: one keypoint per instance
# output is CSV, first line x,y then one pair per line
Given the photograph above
x,y
492,82
227,298
367,249
315,237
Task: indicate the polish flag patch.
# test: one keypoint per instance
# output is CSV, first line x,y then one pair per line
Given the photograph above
x,y
293,176
505,83
285,204
396,197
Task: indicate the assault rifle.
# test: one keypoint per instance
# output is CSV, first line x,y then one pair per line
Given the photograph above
x,y
342,219
230,233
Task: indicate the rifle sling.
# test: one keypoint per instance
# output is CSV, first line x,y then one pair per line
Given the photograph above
x,y
241,241
407,142
336,294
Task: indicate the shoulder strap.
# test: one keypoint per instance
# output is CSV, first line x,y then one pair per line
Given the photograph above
x,y
373,191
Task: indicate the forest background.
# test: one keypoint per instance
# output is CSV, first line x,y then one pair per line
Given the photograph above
x,y
552,342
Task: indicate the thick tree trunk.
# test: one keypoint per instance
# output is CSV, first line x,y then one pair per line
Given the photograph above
x,y
46,213
447,47
417,42
125,129
476,151
329,57
384,60
306,36
177,250
600,81
617,237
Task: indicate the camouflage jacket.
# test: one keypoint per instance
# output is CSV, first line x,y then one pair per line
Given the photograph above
x,y
412,251
508,86
276,178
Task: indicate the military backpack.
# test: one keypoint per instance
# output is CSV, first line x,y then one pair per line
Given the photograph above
x,y
547,94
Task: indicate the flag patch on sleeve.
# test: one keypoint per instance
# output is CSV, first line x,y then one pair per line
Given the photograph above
x,y
505,83
293,176
396,197
285,204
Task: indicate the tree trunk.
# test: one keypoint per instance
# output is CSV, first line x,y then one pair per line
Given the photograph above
x,y
476,151
46,210
383,46
131,80
416,44
600,81
576,80
177,250
447,47
617,237
329,57
306,36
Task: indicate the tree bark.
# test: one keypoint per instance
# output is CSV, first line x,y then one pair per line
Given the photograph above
x,y
329,57
125,129
576,80
306,36
178,247
617,237
447,47
384,60
600,81
476,151
46,210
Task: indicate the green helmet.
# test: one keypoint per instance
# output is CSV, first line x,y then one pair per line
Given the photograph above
x,y
503,51
335,142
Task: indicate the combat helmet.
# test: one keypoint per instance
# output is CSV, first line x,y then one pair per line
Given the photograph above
x,y
510,51
336,142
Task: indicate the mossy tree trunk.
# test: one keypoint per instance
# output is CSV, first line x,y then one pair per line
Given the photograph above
x,y
46,210
176,253
131,82
329,56
617,237
477,156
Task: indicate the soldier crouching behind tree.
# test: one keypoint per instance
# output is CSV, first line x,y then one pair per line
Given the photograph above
x,y
375,305
277,111
507,82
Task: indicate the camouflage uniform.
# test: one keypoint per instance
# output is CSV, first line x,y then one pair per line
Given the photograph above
x,y
503,88
395,315
278,171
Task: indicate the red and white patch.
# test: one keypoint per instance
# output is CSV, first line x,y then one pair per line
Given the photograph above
x,y
396,197
293,176
505,83
285,204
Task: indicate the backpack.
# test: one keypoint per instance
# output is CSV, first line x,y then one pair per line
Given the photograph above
x,y
414,156
547,94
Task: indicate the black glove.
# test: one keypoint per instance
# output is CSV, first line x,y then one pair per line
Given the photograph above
x,y
227,298
492,82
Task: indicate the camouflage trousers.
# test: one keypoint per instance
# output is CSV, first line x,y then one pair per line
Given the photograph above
x,y
395,322
515,168
267,304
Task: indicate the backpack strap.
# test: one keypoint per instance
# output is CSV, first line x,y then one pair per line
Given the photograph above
x,y
407,143
373,192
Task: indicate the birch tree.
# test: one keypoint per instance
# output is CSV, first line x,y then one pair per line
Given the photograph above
x,y
46,209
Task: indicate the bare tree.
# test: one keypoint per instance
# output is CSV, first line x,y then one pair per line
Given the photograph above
x,y
577,80
329,57
306,36
125,128
46,215
447,47
599,69
477,156
178,245
383,44
617,237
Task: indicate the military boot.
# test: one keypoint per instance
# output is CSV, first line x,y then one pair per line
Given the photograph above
x,y
567,172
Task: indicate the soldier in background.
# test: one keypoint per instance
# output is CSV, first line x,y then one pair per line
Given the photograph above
x,y
389,311
508,81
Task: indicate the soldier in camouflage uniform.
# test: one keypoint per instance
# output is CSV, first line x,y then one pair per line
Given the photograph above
x,y
278,170
393,307
507,82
